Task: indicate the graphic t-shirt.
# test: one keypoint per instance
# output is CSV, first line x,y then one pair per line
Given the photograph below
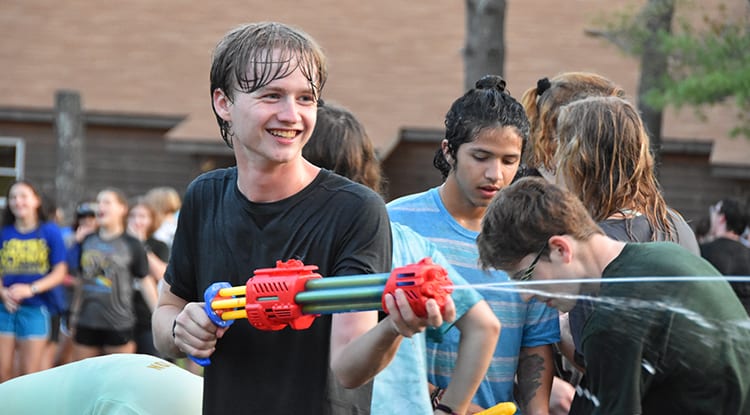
x,y
108,270
28,257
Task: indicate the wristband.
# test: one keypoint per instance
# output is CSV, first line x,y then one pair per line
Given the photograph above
x,y
34,291
435,397
445,408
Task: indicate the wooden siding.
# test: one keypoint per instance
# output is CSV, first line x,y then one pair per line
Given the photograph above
x,y
408,169
130,158
690,185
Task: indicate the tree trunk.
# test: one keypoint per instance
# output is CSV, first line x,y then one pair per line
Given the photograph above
x,y
657,17
71,167
484,52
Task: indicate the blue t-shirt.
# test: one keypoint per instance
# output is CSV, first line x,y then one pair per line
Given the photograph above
x,y
524,324
402,386
28,257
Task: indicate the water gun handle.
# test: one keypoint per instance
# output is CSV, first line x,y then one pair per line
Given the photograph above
x,y
503,408
208,297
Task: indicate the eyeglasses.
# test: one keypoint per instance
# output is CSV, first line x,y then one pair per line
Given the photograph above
x,y
526,273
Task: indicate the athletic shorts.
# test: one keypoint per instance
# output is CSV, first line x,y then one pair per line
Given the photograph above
x,y
102,337
28,322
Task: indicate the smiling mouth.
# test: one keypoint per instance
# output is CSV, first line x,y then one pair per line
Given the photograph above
x,y
283,133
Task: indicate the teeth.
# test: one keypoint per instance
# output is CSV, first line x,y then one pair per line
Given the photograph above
x,y
283,133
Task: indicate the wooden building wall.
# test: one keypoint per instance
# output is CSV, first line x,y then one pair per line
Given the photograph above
x,y
128,153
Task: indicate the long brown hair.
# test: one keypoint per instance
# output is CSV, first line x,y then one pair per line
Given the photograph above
x,y
340,143
543,102
604,157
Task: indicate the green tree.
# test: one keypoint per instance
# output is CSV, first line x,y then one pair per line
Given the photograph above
x,y
706,59
709,66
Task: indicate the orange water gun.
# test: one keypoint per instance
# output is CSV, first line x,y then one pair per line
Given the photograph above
x,y
293,295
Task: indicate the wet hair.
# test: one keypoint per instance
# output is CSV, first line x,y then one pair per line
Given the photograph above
x,y
735,215
523,216
543,102
340,143
487,105
9,218
244,61
605,158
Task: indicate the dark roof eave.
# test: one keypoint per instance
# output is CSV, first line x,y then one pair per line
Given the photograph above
x,y
98,118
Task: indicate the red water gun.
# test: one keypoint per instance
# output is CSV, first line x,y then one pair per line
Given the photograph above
x,y
293,295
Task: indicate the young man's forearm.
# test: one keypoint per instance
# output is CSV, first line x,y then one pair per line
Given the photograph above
x,y
480,331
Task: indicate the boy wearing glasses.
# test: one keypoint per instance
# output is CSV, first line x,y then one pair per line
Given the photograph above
x,y
651,347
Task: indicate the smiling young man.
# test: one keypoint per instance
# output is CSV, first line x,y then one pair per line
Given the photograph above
x,y
658,346
266,79
485,133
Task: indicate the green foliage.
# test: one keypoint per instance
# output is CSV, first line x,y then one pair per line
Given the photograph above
x,y
709,60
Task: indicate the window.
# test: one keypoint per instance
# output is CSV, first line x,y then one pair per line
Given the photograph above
x,y
11,164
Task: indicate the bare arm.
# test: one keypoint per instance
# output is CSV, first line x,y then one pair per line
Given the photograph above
x,y
194,333
156,266
361,347
480,331
535,373
149,291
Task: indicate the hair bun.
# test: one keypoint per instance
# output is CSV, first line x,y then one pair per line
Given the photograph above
x,y
491,82
542,85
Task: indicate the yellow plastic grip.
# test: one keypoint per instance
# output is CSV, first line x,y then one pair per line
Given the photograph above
x,y
503,408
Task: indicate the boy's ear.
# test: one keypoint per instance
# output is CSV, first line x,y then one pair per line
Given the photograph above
x,y
446,153
221,104
561,249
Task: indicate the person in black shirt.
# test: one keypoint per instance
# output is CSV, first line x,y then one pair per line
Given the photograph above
x,y
266,79
725,251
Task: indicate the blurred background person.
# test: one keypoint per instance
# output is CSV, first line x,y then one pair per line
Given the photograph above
x,y
167,203
142,223
32,258
56,299
728,221
110,261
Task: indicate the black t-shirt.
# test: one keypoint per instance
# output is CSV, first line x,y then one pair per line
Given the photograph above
x,y
340,226
635,229
665,347
730,258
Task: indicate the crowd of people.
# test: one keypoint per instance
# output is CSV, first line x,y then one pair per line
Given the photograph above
x,y
78,291
556,190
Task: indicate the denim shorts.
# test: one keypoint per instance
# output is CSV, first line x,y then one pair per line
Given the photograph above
x,y
28,322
